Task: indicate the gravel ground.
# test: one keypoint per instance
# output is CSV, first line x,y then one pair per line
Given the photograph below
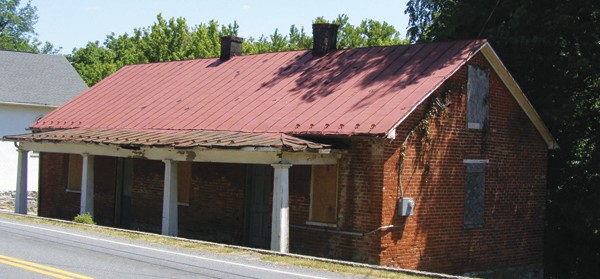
x,y
7,201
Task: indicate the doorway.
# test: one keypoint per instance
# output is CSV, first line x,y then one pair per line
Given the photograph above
x,y
124,182
259,188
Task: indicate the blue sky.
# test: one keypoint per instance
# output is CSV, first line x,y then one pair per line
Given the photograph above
x,y
72,23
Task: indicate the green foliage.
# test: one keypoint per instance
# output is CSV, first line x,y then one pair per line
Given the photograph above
x,y
84,219
165,40
173,39
16,28
367,34
552,48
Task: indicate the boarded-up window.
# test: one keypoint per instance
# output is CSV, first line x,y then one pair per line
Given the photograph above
x,y
474,194
184,182
477,97
323,197
75,168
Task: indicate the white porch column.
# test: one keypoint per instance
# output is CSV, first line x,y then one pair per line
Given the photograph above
x,y
87,185
21,195
169,218
280,222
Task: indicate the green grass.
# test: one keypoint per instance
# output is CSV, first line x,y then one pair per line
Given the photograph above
x,y
339,268
215,248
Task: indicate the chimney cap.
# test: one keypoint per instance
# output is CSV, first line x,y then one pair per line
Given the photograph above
x,y
232,38
325,26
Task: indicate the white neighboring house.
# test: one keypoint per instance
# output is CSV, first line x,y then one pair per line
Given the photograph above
x,y
31,85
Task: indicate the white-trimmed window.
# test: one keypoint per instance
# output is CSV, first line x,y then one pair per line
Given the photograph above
x,y
478,86
323,195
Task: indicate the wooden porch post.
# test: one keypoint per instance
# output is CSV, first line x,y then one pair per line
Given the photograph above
x,y
280,223
169,218
21,195
87,185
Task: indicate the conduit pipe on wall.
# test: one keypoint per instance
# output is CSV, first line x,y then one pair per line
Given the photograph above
x,y
345,232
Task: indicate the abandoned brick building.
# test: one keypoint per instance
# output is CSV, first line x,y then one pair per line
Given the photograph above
x,y
424,156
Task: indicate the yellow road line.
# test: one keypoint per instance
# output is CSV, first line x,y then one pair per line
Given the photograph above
x,y
42,269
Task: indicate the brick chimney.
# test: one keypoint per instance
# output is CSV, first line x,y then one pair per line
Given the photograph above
x,y
230,46
324,38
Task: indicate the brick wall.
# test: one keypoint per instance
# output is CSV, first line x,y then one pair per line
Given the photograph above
x,y
216,207
434,238
104,190
146,195
56,202
359,205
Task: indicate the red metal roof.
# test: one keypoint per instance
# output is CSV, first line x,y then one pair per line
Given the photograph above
x,y
352,91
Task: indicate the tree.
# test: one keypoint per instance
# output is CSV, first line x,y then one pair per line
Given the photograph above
x,y
94,62
173,39
368,33
16,28
552,48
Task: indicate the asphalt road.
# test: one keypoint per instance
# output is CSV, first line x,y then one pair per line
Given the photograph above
x,y
29,250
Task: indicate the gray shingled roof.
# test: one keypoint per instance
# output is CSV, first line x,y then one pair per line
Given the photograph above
x,y
37,79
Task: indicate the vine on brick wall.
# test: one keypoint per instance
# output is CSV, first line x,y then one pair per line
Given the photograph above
x,y
437,111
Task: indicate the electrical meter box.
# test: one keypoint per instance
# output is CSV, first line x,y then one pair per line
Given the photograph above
x,y
406,206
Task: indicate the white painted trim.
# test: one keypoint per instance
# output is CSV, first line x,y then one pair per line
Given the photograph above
x,y
429,94
475,161
473,126
320,224
27,104
518,94
245,156
509,82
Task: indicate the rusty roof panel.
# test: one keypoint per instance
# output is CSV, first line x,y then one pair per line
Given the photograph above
x,y
345,92
173,138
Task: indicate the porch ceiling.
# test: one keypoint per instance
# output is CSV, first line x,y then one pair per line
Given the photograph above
x,y
179,139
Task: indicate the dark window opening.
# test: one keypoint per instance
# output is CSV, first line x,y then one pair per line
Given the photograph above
x,y
474,195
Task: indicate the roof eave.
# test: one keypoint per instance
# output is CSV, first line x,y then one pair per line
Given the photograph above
x,y
509,82
391,133
28,104
489,53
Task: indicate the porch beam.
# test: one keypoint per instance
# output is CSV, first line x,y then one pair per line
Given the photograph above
x,y
169,218
280,225
21,195
87,185
248,155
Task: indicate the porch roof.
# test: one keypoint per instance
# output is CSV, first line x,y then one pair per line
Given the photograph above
x,y
178,139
